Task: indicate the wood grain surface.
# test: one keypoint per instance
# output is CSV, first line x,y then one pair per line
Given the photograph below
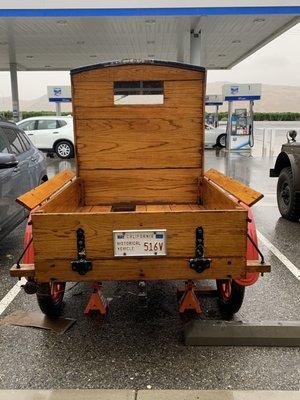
x,y
36,196
152,186
55,234
242,192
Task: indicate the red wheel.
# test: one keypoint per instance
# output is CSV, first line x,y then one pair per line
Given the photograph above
x,y
50,298
231,296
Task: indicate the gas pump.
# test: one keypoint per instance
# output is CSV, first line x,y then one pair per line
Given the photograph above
x,y
240,132
213,100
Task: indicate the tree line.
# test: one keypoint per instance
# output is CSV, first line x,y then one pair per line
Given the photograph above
x,y
269,116
258,116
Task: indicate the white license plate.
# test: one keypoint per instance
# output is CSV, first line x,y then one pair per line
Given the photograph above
x,y
140,243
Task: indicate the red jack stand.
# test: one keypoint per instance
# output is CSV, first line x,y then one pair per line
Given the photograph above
x,y
189,300
97,302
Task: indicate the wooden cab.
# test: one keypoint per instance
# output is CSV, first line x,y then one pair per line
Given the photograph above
x,y
139,136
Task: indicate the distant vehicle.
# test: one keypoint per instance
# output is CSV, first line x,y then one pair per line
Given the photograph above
x,y
22,167
215,136
287,169
51,134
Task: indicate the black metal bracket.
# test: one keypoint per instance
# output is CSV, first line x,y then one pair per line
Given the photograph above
x,y
81,265
200,263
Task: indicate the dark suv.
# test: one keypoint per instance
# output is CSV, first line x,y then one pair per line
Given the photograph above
x,y
22,167
287,168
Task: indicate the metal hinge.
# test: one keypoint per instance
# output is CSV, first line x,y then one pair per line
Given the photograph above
x,y
81,265
200,263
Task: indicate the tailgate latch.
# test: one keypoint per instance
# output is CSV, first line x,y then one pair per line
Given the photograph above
x,y
81,265
200,263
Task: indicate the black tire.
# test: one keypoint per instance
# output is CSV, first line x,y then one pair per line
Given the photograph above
x,y
64,149
221,140
287,200
50,304
231,302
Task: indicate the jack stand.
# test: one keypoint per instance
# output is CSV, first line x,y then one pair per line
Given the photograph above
x,y
97,302
189,300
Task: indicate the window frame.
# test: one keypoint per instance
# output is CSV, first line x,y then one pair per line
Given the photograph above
x,y
27,122
10,144
47,120
6,141
128,89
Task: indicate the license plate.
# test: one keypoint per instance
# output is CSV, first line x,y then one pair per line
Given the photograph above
x,y
140,243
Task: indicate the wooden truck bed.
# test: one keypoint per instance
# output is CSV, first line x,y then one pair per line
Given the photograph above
x,y
56,222
139,167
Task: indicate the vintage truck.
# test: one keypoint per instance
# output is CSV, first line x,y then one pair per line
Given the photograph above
x,y
140,206
287,169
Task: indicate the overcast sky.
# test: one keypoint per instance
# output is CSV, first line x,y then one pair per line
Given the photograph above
x,y
278,63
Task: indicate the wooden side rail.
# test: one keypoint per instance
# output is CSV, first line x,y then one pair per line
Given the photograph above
x,y
36,196
256,266
242,192
28,270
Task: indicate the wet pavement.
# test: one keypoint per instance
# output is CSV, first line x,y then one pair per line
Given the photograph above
x,y
137,346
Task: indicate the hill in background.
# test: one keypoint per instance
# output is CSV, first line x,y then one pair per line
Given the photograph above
x,y
275,98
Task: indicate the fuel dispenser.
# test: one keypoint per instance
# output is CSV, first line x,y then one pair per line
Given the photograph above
x,y
215,100
240,132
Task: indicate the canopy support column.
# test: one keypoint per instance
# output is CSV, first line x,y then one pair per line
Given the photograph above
x,y
14,91
195,48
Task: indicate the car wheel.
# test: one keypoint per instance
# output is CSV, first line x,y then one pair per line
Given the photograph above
x,y
64,149
221,140
50,298
287,202
231,297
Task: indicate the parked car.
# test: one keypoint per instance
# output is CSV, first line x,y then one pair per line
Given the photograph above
x,y
287,169
215,136
51,134
22,167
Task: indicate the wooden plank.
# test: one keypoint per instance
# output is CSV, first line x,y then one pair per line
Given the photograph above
x,y
26,270
196,207
180,207
70,197
137,72
136,143
100,209
174,93
136,112
151,186
158,208
95,94
36,196
224,232
142,269
214,198
184,93
141,208
256,266
242,192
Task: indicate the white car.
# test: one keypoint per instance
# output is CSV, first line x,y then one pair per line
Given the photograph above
x,y
51,134
215,136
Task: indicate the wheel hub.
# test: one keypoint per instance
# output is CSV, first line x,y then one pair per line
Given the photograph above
x,y
64,150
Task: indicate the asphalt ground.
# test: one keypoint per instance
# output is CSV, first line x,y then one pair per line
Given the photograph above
x,y
136,347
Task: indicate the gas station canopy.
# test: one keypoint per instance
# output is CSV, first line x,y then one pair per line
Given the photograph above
x,y
62,34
